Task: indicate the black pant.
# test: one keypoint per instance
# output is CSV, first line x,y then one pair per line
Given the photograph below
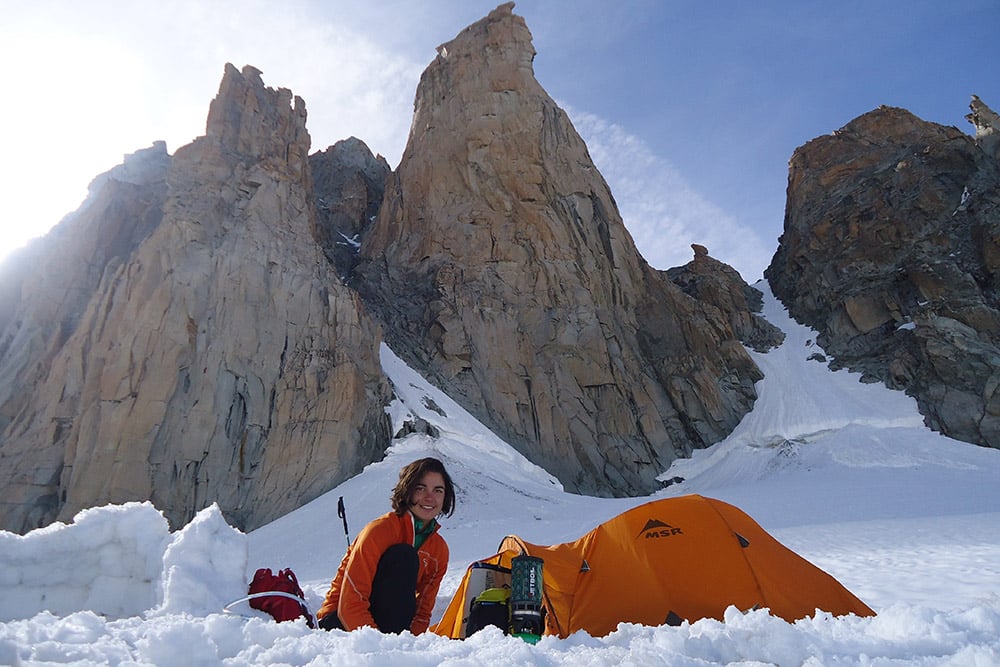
x,y
393,600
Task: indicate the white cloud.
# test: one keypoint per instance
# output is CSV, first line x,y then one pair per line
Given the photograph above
x,y
661,210
62,127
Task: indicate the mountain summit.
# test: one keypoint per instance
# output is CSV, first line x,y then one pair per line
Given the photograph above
x,y
891,251
217,359
501,268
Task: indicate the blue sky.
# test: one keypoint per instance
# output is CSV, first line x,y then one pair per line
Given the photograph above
x,y
691,109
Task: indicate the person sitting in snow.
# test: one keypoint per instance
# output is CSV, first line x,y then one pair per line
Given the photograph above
x,y
390,576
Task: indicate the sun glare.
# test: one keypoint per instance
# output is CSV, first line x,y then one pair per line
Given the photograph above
x,y
76,118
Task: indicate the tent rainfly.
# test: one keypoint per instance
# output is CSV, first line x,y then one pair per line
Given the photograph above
x,y
664,562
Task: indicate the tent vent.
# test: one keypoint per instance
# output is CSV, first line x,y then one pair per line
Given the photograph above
x,y
744,542
673,619
585,567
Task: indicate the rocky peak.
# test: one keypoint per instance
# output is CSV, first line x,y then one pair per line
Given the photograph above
x,y
719,285
348,183
254,121
501,267
987,125
145,166
218,360
502,40
891,250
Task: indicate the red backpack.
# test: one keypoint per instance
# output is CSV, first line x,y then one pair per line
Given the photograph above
x,y
278,595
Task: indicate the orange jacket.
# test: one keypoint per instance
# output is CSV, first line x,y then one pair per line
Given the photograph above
x,y
351,589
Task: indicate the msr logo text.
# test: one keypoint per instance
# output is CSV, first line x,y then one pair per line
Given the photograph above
x,y
666,532
655,528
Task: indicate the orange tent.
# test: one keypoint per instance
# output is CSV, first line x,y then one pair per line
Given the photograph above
x,y
661,563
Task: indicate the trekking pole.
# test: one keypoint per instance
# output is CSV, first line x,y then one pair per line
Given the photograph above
x,y
342,513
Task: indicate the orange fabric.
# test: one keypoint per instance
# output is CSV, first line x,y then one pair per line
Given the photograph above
x,y
350,590
689,556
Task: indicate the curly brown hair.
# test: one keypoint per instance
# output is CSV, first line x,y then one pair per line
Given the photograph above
x,y
410,476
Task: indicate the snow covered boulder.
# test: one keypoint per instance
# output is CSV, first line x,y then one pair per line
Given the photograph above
x,y
109,560
120,561
204,566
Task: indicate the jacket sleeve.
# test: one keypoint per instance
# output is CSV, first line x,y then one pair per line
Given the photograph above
x,y
429,583
356,589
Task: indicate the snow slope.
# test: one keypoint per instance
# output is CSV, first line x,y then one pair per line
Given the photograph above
x,y
842,472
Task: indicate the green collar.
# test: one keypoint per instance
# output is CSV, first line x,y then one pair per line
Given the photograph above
x,y
421,530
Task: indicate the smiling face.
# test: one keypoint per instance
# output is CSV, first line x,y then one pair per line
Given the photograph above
x,y
427,498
